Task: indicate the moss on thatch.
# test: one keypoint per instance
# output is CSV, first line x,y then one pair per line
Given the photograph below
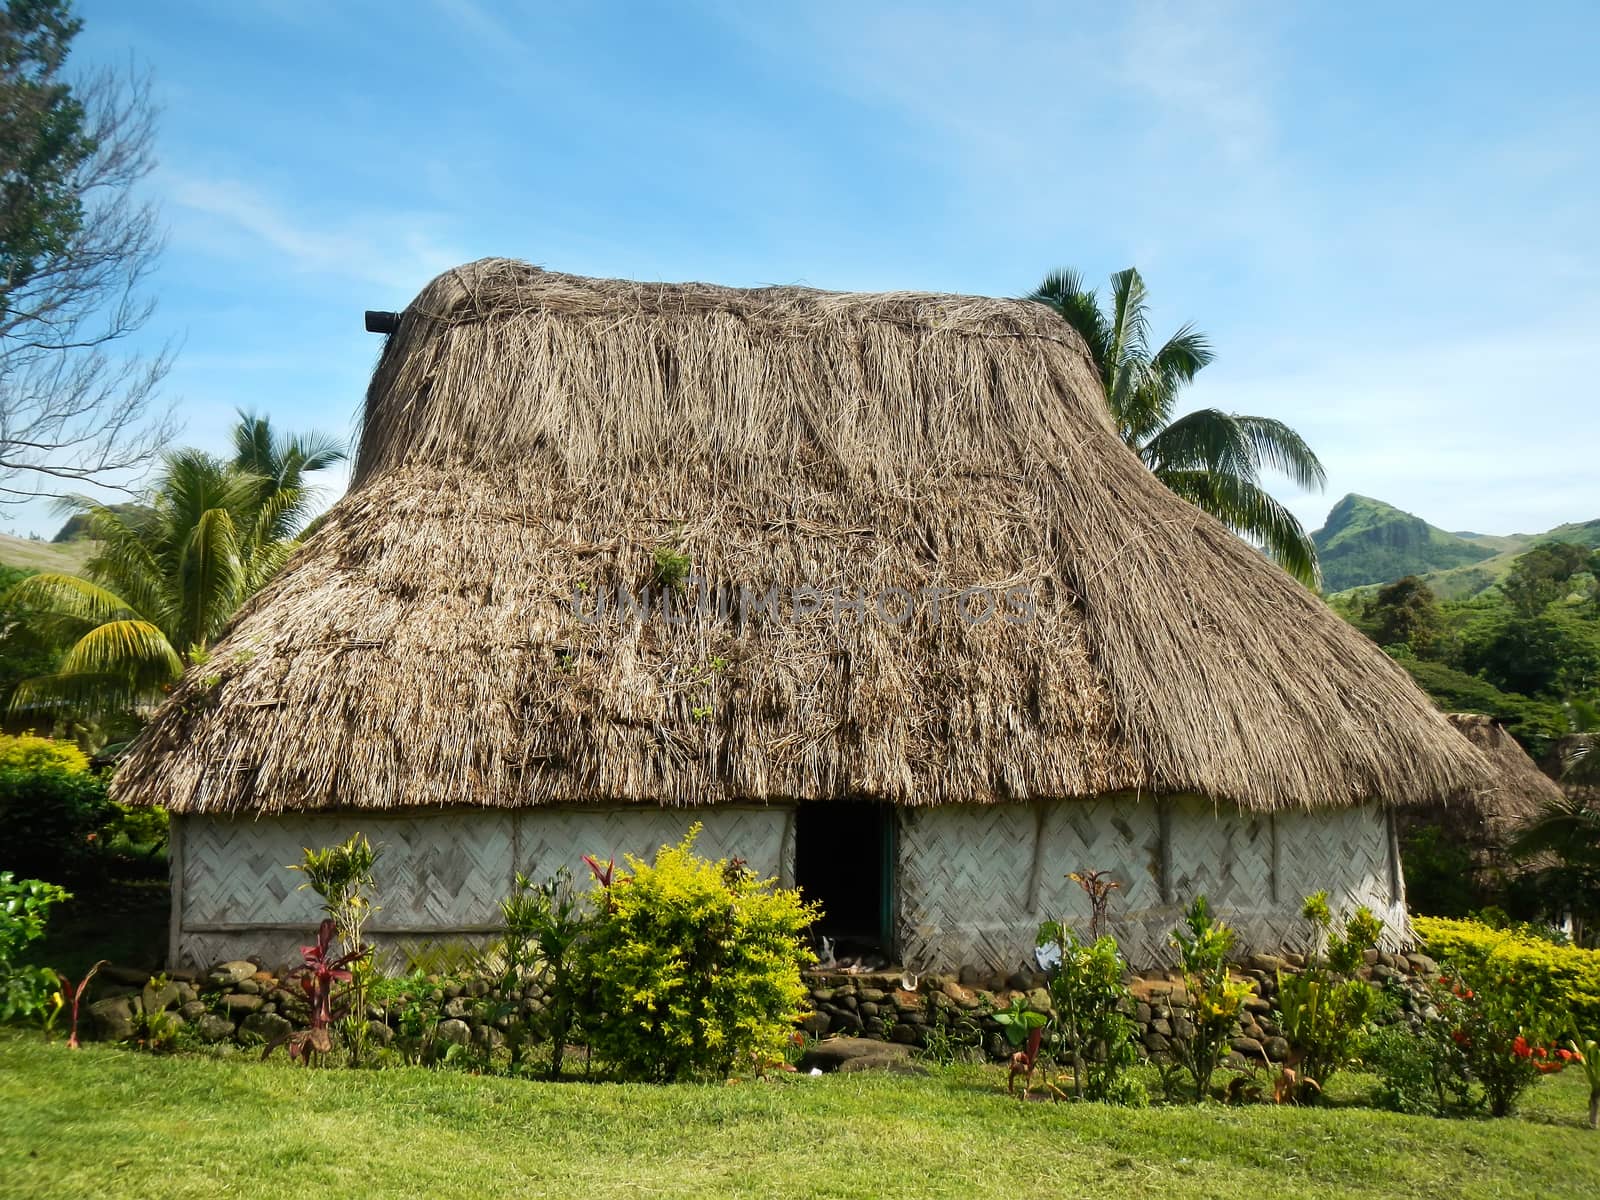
x,y
529,436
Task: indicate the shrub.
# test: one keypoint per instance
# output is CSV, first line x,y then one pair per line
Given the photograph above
x,y
1506,1025
1568,974
1420,1071
1088,991
1204,945
24,908
52,816
545,926
694,967
342,876
30,752
1323,1010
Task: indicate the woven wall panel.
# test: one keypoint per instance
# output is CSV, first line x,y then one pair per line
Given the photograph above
x,y
550,837
447,870
975,881
965,874
440,876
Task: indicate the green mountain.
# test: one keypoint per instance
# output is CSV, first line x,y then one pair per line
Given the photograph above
x,y
1366,541
1458,583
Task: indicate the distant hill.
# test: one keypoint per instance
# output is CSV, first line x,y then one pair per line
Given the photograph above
x,y
77,526
1366,541
1460,582
68,557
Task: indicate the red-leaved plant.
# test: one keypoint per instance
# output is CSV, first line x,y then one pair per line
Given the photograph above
x,y
317,974
75,998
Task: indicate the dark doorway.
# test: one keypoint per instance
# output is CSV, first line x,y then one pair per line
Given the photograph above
x,y
844,860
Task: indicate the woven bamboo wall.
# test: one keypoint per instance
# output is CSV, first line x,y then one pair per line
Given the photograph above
x,y
976,881
440,877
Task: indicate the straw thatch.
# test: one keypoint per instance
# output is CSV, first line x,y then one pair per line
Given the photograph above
x,y
528,434
1518,790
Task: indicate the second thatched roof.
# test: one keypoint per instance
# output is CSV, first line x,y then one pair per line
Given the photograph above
x,y
1518,790
534,439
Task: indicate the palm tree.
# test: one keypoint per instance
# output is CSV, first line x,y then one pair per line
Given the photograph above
x,y
1211,458
282,462
1566,835
165,579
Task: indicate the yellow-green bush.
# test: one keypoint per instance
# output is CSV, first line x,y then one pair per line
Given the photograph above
x,y
1573,974
30,752
693,967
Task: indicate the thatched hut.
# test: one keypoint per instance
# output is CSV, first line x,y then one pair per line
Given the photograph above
x,y
1489,818
1465,843
868,584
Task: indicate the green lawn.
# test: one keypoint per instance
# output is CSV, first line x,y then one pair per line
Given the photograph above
x,y
106,1122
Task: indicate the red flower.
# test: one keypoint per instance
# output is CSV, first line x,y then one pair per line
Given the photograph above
x,y
1460,1038
1540,1052
1520,1047
1565,1056
1546,1068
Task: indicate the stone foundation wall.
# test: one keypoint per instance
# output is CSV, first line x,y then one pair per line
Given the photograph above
x,y
899,1008
244,1002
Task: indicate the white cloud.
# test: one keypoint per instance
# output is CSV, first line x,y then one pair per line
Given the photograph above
x,y
394,250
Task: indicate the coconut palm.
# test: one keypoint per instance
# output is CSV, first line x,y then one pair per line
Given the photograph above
x,y
166,578
282,462
1211,458
1567,831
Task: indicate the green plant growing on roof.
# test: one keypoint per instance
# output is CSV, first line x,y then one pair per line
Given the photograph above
x,y
671,568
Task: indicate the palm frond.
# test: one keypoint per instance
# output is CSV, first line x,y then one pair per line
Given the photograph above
x,y
71,597
312,452
1248,510
1079,307
212,572
80,695
1568,828
131,649
1281,449
1581,763
1204,440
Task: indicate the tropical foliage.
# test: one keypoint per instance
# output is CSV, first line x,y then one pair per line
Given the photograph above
x,y
167,576
1568,973
1209,457
694,967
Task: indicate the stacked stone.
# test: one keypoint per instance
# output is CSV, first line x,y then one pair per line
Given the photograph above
x,y
240,1001
895,1007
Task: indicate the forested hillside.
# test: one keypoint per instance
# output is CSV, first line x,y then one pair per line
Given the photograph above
x,y
1367,541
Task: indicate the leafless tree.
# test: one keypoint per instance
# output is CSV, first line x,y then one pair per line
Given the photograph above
x,y
77,405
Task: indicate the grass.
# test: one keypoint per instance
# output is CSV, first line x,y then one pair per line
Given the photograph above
x,y
67,557
106,1121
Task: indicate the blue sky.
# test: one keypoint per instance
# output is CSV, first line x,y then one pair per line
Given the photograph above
x,y
1384,215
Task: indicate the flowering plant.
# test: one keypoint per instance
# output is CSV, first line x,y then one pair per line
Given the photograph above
x,y
1504,1026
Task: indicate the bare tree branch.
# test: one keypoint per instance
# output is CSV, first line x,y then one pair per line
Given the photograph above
x,y
74,406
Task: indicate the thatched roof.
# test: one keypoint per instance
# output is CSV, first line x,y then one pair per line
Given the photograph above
x,y
1517,789
529,434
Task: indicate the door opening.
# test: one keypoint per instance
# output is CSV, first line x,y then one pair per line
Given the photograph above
x,y
844,860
